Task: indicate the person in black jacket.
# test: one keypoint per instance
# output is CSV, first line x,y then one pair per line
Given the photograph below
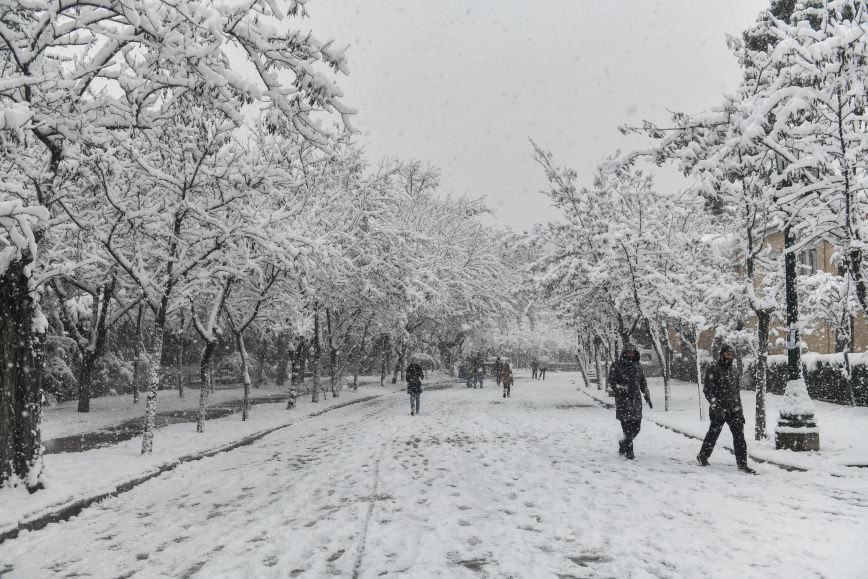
x,y
414,375
628,384
722,389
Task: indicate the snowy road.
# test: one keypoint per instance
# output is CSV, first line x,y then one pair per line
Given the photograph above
x,y
476,486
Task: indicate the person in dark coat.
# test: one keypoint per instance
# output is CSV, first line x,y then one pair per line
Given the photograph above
x,y
507,379
722,389
413,375
498,368
628,384
534,366
543,366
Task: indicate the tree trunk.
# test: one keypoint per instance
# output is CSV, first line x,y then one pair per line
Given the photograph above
x,y
655,342
85,379
260,359
399,365
138,366
698,373
21,370
296,379
580,360
385,360
245,375
180,363
211,375
154,356
314,397
282,357
317,354
138,375
205,377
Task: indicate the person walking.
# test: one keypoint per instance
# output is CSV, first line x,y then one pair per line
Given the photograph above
x,y
506,379
480,374
628,384
543,366
413,375
498,368
534,367
722,389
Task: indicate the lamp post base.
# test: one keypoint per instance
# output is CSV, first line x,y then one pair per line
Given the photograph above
x,y
799,441
797,430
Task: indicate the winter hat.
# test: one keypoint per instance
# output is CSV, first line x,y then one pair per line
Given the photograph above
x,y
628,348
726,348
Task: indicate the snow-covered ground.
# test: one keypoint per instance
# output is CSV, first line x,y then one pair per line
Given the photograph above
x,y
843,430
63,419
79,475
477,486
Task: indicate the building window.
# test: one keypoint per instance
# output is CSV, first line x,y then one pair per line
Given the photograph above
x,y
808,261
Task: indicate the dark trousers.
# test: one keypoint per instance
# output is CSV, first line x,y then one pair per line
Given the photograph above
x,y
736,427
414,401
506,389
631,430
533,373
542,373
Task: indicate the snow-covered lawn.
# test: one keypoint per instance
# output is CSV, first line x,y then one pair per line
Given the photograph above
x,y
476,486
843,430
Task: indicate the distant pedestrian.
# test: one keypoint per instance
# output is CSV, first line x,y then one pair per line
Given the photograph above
x,y
506,379
480,375
534,368
413,375
498,368
543,366
722,388
628,384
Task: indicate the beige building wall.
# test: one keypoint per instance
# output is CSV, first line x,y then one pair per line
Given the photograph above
x,y
821,338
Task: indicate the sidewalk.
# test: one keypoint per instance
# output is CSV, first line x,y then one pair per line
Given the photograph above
x,y
843,429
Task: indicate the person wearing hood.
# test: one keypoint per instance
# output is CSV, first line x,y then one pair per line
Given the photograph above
x,y
628,384
722,388
507,379
498,368
414,375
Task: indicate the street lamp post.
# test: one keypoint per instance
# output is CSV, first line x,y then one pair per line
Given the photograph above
x,y
796,428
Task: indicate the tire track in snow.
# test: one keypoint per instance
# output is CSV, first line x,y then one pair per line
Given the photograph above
x,y
372,502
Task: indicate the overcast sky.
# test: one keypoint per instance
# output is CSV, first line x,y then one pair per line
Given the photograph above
x,y
464,84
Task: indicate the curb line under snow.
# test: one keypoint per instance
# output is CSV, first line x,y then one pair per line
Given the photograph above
x,y
607,404
73,508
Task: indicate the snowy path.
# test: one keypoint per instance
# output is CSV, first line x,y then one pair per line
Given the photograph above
x,y
476,486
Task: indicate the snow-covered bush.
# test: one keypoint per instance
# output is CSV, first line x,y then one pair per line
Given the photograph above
x,y
229,368
112,374
825,376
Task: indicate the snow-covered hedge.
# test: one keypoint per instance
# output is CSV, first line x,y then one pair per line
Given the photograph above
x,y
824,375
